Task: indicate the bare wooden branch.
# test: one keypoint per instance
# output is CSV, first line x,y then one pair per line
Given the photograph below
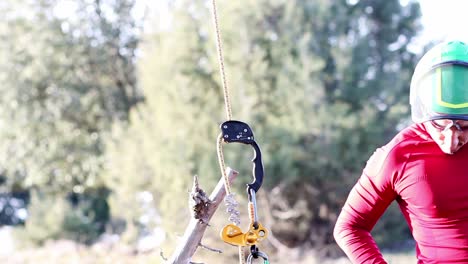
x,y
210,248
196,228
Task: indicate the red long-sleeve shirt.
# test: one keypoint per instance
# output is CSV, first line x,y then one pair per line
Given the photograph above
x,y
431,189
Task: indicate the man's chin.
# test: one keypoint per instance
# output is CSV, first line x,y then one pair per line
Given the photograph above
x,y
449,151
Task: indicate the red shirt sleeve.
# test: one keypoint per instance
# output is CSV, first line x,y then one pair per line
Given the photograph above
x,y
366,203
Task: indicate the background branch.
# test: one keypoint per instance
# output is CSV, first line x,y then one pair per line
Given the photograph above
x,y
196,228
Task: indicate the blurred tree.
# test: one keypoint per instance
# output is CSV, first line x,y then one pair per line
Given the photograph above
x,y
67,73
54,217
322,83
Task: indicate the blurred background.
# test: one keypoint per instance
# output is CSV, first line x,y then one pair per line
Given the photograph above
x,y
108,108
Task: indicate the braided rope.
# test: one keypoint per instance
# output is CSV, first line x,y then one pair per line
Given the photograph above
x,y
241,255
227,104
222,165
219,47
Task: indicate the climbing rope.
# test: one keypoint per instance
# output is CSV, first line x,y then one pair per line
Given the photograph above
x,y
236,131
219,47
230,201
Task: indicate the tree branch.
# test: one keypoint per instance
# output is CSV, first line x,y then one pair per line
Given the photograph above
x,y
196,228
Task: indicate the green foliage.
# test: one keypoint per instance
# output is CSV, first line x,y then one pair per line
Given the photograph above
x,y
88,216
130,171
66,78
52,217
45,216
392,223
64,82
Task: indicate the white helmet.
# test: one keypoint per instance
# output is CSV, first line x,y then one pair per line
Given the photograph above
x,y
439,87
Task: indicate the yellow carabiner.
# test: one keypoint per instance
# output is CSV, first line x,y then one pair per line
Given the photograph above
x,y
233,235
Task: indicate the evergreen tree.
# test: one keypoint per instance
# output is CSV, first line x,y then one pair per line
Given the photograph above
x,y
65,81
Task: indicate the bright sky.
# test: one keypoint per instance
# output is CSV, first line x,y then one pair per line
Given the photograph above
x,y
444,19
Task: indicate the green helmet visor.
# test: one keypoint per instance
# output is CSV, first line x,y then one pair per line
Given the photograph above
x,y
443,91
439,86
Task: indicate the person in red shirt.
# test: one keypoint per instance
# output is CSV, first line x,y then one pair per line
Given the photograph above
x,y
424,168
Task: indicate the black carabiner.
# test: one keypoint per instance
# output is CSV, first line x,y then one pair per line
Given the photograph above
x,y
255,253
239,132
